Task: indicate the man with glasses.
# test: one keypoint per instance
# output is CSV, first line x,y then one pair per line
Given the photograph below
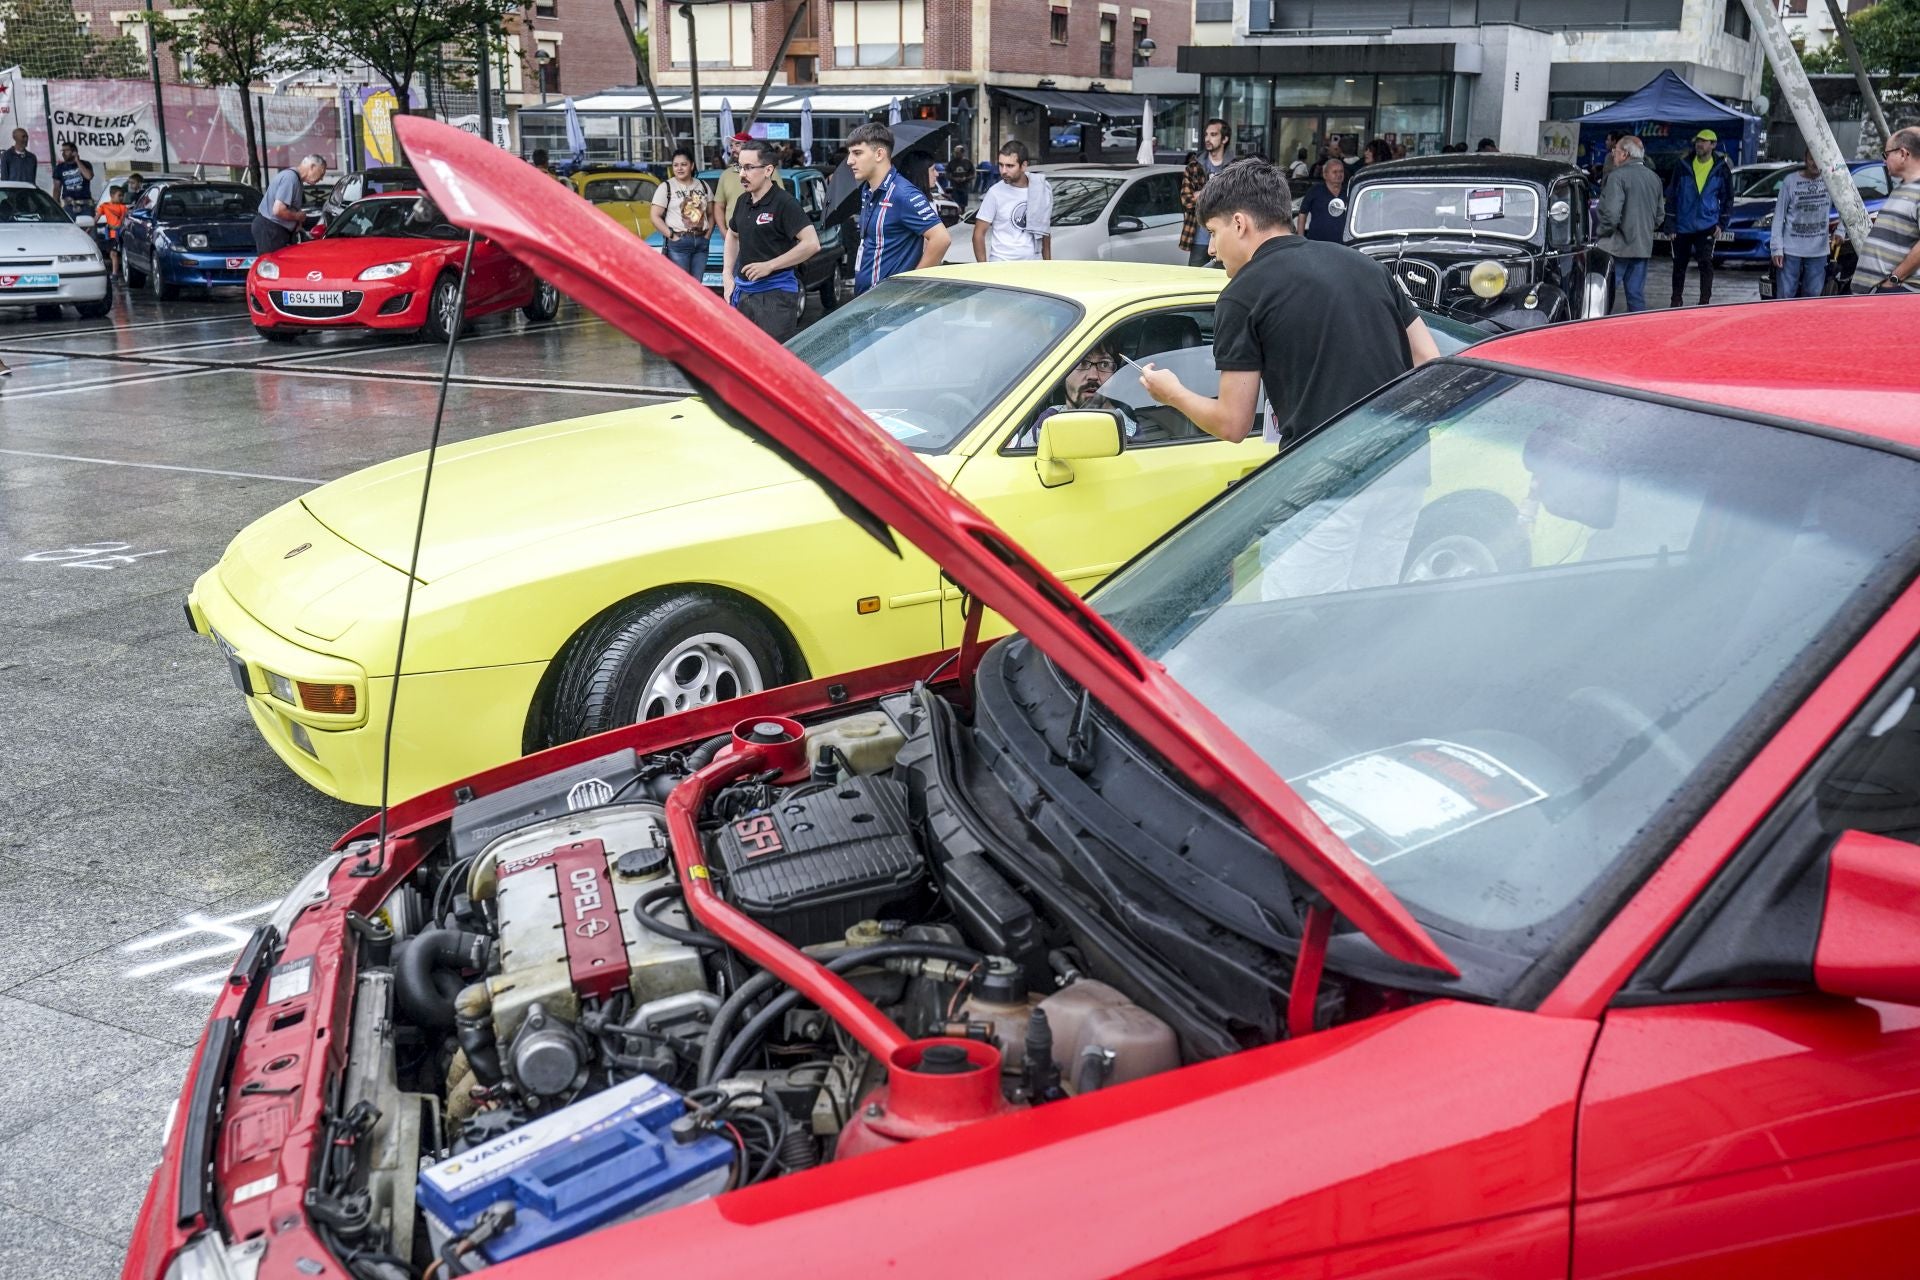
x,y
1084,381
1891,254
767,237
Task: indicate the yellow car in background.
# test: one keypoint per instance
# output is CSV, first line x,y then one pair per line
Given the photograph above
x,y
585,574
625,195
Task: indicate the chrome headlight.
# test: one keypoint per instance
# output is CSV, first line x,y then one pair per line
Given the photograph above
x,y
385,271
267,270
196,241
1488,279
312,888
1765,220
77,257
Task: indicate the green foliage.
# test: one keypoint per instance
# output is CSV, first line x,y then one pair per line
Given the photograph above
x,y
1888,35
48,40
228,42
399,39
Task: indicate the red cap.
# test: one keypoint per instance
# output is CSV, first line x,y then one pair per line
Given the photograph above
x,y
743,137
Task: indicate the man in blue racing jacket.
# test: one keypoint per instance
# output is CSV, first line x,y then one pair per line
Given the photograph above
x,y
1699,198
899,230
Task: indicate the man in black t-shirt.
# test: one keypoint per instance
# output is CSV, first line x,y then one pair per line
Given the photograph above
x,y
768,235
1320,325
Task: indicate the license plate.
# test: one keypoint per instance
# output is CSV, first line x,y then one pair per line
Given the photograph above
x,y
309,298
46,280
1724,235
239,264
711,279
236,666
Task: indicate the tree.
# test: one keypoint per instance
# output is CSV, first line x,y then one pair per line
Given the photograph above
x,y
399,39
49,41
232,43
1888,35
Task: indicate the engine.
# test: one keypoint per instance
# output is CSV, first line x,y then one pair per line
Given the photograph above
x,y
584,1052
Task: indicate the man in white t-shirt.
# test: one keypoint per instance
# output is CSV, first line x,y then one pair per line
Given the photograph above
x,y
1001,226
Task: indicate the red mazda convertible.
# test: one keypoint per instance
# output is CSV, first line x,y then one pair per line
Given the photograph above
x,y
1281,910
390,262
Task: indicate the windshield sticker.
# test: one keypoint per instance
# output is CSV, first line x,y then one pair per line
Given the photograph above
x,y
1389,802
898,428
1485,205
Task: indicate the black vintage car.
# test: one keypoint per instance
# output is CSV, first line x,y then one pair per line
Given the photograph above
x,y
1500,238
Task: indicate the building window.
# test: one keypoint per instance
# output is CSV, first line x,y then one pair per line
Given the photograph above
x,y
546,8
1058,24
721,35
1107,24
879,33
1737,24
1139,38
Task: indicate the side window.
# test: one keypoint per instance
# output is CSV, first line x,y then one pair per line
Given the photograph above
x,y
1155,200
810,198
1872,182
1102,378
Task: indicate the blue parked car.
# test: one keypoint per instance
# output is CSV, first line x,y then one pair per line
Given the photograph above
x,y
196,234
1751,221
820,272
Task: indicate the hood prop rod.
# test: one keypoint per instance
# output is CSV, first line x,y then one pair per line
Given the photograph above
x,y
834,995
1303,996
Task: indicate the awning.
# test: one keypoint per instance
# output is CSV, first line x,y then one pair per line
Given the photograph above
x,y
1112,106
1672,100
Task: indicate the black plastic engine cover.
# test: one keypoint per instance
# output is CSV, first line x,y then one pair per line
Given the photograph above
x,y
824,858
479,822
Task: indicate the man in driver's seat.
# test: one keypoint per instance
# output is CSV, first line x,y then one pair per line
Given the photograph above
x,y
1083,385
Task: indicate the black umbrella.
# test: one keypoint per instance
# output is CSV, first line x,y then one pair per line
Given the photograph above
x,y
912,140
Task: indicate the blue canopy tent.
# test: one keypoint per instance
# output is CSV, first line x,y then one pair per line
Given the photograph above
x,y
1664,114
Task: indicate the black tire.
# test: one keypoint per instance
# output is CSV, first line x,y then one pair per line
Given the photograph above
x,y
162,288
1467,535
128,276
47,311
611,671
545,304
444,315
97,310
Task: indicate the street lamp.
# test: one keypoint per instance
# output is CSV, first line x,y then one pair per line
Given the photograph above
x,y
1143,52
541,59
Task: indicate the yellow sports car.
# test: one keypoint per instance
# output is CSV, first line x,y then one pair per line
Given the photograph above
x,y
625,195
584,574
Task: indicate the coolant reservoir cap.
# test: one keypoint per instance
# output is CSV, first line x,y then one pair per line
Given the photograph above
x,y
768,731
641,864
944,1060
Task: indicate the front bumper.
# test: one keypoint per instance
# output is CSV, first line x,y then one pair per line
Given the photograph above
x,y
69,286
453,723
209,269
1743,245
400,303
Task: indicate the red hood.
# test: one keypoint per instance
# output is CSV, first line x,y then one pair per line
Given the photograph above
x,y
599,264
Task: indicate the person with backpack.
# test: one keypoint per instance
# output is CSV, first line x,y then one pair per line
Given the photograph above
x,y
1699,198
683,212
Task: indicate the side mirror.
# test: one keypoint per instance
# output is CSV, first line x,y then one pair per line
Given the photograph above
x,y
84,221
1126,226
1869,948
1076,434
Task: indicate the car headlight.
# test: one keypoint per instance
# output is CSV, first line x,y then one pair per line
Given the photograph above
x,y
267,270
196,241
77,257
1765,220
280,687
385,271
1488,279
311,889
207,1257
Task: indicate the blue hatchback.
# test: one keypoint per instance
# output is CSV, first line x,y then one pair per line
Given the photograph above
x,y
1751,221
193,234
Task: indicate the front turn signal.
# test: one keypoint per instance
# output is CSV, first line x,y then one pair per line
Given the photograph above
x,y
329,699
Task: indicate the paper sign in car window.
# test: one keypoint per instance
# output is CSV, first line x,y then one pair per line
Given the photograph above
x,y
1392,801
1485,205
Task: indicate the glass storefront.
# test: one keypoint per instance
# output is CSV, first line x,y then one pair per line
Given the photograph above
x,y
1278,116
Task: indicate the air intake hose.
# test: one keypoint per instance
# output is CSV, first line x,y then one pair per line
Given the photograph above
x,y
426,973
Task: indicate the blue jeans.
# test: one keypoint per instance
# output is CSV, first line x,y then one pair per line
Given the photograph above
x,y
689,253
1801,277
1632,276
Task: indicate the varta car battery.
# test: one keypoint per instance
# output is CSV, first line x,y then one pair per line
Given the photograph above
x,y
603,1159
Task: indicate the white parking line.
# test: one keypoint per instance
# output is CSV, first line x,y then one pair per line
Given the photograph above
x,y
94,384
159,466
229,939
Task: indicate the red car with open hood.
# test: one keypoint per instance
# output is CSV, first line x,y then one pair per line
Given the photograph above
x,y
1282,910
390,262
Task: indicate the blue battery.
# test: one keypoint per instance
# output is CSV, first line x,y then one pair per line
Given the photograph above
x,y
601,1160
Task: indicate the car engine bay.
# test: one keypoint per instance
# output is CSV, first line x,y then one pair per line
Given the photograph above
x,y
546,1040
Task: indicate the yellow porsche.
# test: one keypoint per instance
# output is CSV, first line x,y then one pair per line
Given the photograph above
x,y
588,573
625,195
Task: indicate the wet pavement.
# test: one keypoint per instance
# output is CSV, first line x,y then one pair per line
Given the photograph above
x,y
144,827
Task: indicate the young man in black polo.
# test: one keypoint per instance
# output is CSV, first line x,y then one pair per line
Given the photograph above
x,y
768,235
1320,325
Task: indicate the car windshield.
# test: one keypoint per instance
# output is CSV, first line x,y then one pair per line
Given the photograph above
x,y
926,358
1500,633
182,203
390,218
1078,201
29,204
1483,209
1768,185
